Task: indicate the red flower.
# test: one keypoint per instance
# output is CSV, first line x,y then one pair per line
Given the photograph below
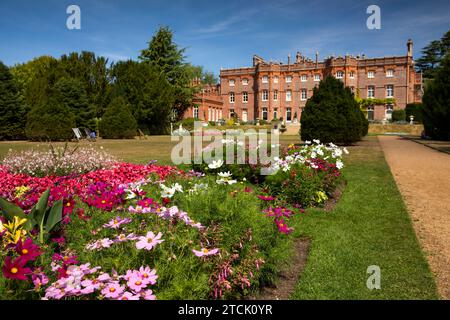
x,y
27,250
166,201
15,269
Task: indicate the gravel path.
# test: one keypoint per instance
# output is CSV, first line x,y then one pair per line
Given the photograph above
x,y
423,177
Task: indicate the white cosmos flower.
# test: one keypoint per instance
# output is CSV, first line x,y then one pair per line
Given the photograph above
x,y
224,174
215,164
339,164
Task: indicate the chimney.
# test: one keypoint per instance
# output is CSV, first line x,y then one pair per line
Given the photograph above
x,y
289,59
298,57
409,45
317,59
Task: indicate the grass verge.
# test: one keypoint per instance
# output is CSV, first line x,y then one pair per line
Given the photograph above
x,y
369,226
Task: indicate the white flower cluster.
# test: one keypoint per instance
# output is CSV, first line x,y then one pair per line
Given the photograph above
x,y
58,162
169,192
315,150
225,178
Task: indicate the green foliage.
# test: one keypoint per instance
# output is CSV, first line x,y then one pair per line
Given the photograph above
x,y
12,110
165,55
51,121
436,104
332,114
399,115
149,94
416,110
118,122
433,55
71,93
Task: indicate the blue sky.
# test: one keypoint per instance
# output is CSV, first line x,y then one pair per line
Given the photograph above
x,y
219,33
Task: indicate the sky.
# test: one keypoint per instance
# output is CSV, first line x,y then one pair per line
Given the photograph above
x,y
220,34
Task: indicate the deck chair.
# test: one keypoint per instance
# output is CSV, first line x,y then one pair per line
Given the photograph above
x,y
77,134
89,134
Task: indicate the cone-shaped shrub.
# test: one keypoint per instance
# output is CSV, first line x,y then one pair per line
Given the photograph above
x,y
332,114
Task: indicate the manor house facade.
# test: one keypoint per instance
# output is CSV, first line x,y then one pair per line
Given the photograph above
x,y
273,90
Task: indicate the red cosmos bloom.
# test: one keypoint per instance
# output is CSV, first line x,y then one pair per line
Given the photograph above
x,y
15,269
28,250
146,203
266,198
248,190
166,201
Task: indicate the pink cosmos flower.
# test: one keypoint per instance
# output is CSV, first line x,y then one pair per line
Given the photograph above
x,y
122,237
136,283
128,296
148,275
266,198
148,295
113,290
149,241
205,252
116,222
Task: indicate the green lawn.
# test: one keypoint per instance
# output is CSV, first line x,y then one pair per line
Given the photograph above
x,y
368,226
136,151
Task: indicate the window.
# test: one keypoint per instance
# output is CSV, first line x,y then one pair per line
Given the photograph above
x,y
265,95
317,77
352,89
389,110
264,113
288,79
370,92
303,78
265,79
245,97
351,75
275,113
370,113
304,95
390,73
389,91
288,114
275,95
244,116
195,115
209,114
371,74
232,114
245,81
231,83
275,79
231,97
339,74
288,95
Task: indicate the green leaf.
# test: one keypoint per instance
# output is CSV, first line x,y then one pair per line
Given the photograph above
x,y
10,210
54,215
39,209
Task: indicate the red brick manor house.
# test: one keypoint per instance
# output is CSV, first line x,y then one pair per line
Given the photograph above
x,y
273,90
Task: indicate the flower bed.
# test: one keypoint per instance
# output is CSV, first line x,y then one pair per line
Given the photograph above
x,y
149,232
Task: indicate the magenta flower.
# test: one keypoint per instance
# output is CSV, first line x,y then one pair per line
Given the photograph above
x,y
113,290
266,198
205,252
149,241
27,250
15,269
